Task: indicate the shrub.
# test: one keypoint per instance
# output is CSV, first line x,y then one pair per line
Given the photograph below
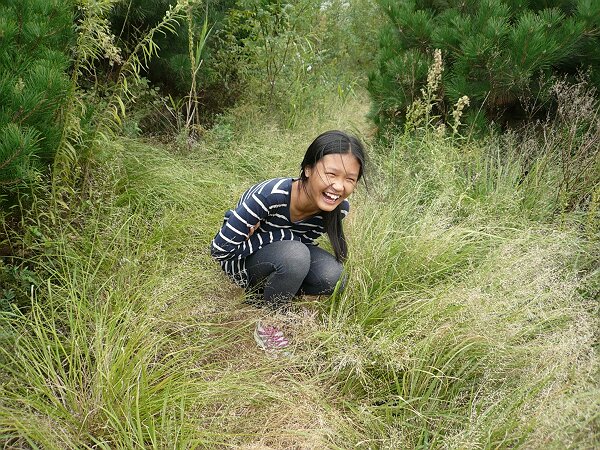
x,y
35,37
266,42
172,71
287,56
567,145
496,51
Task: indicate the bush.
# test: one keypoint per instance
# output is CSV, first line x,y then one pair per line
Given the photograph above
x,y
287,56
172,71
266,44
498,52
35,39
569,145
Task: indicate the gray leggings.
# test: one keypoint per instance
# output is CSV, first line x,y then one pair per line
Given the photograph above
x,y
284,269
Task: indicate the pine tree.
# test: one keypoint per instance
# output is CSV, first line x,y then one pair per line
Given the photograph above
x,y
498,52
35,37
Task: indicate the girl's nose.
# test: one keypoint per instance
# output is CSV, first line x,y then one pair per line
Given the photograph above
x,y
337,184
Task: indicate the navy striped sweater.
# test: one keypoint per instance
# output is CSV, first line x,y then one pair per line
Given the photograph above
x,y
266,203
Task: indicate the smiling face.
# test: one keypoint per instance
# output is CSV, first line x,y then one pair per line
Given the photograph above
x,y
331,180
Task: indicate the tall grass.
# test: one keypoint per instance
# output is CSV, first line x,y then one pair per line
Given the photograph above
x,y
129,341
469,320
95,361
465,322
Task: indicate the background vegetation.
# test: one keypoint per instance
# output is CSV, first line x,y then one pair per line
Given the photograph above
x,y
472,317
503,54
34,88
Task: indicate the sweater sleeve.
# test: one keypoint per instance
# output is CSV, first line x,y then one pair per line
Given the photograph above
x,y
236,226
233,240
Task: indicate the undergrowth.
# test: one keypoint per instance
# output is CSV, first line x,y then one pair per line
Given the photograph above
x,y
470,320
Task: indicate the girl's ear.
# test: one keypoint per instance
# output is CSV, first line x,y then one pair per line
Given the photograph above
x,y
307,171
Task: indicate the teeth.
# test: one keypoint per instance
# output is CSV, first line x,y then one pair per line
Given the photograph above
x,y
332,196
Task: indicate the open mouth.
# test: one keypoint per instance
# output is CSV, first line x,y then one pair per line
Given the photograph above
x,y
330,198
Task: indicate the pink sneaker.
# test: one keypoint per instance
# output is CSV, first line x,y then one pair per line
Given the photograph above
x,y
269,338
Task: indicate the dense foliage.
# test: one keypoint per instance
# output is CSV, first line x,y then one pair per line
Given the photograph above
x,y
269,52
286,56
501,53
470,315
35,41
172,70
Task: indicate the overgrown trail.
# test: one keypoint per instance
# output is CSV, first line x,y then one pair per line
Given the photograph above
x,y
280,401
452,302
138,340
467,322
284,402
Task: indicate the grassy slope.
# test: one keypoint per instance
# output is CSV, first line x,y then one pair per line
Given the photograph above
x,y
465,325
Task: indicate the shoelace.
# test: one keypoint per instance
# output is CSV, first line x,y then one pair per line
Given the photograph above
x,y
269,337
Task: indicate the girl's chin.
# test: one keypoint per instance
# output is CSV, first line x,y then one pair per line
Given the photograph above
x,y
326,206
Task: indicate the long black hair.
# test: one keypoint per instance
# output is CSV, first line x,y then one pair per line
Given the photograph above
x,y
333,142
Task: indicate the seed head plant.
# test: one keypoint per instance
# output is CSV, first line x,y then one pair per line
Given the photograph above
x,y
457,112
419,114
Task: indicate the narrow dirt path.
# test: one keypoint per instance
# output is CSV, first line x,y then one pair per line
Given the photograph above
x,y
294,408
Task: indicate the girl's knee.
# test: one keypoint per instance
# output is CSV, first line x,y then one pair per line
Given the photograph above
x,y
294,256
332,272
324,278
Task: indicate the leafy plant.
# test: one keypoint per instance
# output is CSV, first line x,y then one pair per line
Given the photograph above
x,y
196,50
104,105
18,283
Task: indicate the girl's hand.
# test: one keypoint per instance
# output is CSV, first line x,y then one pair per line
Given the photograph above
x,y
253,229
